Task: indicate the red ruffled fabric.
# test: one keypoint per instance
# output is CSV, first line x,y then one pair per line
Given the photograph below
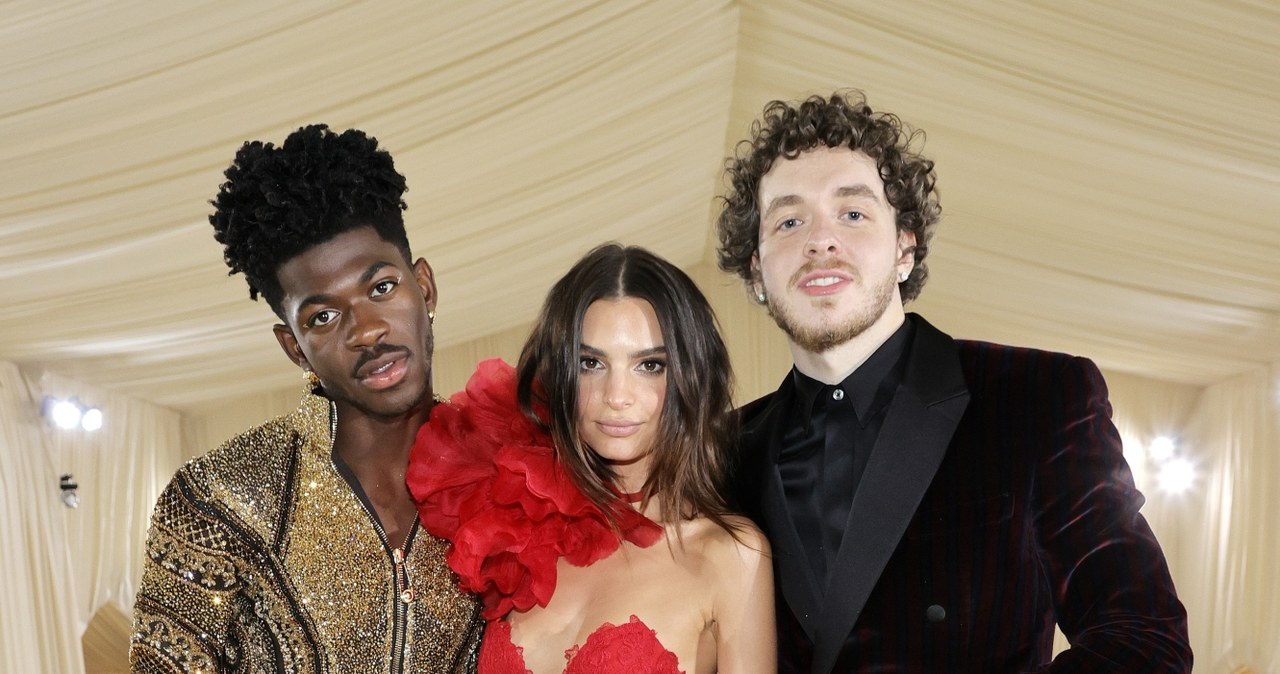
x,y
485,478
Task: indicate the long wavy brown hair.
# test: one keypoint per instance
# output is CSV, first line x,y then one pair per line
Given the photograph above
x,y
695,430
786,130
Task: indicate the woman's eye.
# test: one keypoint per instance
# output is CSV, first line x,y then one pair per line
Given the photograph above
x,y
589,363
383,287
653,366
322,318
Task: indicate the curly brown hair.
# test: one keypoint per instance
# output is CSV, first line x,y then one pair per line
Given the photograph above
x,y
843,120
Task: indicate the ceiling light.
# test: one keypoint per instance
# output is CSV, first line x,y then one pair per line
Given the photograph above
x,y
91,420
1177,475
69,414
1161,448
65,414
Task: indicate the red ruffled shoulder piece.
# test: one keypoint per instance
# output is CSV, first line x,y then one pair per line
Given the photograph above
x,y
486,479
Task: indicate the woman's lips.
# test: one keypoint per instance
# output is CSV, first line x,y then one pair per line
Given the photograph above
x,y
618,429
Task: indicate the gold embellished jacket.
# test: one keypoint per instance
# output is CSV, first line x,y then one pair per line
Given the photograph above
x,y
261,558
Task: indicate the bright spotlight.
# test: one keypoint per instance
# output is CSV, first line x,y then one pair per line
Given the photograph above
x,y
92,419
65,414
1177,475
69,414
1161,448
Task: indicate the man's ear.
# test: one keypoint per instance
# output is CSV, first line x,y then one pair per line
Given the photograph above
x,y
755,287
289,344
426,282
906,251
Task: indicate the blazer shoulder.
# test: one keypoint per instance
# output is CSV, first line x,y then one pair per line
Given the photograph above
x,y
988,364
974,351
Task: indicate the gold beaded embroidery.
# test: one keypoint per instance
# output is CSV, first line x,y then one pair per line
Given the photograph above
x,y
262,559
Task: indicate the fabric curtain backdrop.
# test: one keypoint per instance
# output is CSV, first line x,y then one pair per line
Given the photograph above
x,y
62,565
38,618
1228,554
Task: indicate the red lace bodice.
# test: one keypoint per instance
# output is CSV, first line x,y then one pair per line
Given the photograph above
x,y
630,648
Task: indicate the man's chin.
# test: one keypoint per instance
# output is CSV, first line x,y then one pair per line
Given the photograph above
x,y
819,337
820,341
391,403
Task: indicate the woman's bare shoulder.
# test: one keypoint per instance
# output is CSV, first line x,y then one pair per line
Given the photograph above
x,y
742,540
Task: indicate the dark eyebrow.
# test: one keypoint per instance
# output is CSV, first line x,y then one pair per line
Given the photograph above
x,y
660,350
365,277
372,270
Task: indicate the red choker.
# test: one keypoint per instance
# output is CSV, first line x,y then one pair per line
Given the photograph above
x,y
634,497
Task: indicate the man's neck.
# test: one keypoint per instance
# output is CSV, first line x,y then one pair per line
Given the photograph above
x,y
376,451
366,439
835,364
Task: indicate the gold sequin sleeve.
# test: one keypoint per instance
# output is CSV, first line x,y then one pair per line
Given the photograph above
x,y
186,604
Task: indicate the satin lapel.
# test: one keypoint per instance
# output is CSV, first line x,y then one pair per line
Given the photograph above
x,y
913,440
792,572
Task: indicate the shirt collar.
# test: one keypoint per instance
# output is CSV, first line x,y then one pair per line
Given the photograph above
x,y
862,384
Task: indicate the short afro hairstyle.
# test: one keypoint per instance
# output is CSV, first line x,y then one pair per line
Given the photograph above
x,y
844,120
278,202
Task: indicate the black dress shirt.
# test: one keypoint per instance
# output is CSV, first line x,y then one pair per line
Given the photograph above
x,y
826,446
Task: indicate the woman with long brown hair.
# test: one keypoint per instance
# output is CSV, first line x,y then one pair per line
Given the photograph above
x,y
582,491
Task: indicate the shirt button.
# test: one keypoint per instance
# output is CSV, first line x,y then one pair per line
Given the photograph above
x,y
837,394
935,614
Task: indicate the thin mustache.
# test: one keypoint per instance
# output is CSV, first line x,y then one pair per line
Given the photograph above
x,y
374,353
815,265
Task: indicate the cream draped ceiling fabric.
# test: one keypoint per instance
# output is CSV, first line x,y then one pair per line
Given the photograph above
x,y
1109,177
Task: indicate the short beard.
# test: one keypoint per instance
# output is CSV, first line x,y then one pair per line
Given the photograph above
x,y
826,337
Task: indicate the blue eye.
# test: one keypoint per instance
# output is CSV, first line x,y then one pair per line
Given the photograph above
x,y
789,223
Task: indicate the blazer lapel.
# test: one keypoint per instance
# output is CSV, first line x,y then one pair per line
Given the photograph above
x,y
917,429
763,439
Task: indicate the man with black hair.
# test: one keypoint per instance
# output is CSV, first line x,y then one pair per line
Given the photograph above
x,y
295,546
934,505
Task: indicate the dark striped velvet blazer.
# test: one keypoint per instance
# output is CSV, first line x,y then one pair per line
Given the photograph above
x,y
995,504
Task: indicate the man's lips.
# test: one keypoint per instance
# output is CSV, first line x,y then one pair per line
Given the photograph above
x,y
386,375
824,281
382,367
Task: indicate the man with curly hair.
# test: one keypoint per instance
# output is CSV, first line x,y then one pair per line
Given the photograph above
x,y
934,505
295,546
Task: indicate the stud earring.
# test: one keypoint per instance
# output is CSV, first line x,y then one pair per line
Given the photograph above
x,y
760,296
903,276
431,316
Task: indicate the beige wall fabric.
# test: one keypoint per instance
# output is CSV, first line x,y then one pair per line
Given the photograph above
x,y
1227,546
1109,172
61,565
